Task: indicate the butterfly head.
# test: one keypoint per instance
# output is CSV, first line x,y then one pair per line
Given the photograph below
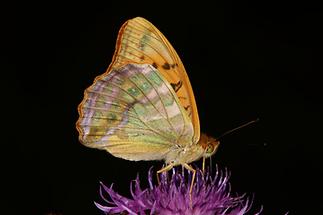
x,y
209,144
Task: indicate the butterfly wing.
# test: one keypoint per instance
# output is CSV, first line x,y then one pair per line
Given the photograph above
x,y
140,42
133,113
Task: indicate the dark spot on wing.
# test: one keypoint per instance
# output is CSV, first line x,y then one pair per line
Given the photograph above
x,y
176,86
142,57
166,66
154,65
188,110
173,65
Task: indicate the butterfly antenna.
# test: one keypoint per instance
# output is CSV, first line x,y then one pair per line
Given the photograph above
x,y
237,128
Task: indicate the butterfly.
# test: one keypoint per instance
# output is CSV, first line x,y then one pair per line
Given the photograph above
x,y
143,106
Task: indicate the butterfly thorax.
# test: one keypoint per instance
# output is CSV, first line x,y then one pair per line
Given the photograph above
x,y
205,147
187,154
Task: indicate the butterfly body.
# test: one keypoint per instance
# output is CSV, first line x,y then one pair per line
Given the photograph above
x,y
184,155
143,106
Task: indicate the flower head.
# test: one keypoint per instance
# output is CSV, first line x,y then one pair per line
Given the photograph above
x,y
210,195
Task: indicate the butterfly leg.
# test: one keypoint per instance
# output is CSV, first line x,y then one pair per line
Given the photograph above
x,y
203,165
164,169
189,168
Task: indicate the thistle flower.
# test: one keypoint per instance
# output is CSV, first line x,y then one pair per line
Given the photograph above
x,y
210,195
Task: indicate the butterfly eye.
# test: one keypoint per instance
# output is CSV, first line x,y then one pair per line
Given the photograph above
x,y
209,149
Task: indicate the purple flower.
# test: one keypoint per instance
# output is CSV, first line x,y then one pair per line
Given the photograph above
x,y
210,195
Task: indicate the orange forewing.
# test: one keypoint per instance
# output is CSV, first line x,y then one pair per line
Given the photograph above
x,y
141,42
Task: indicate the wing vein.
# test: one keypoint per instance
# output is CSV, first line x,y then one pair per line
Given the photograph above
x,y
157,132
167,116
153,104
153,48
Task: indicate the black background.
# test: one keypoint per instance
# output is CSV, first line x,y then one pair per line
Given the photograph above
x,y
245,60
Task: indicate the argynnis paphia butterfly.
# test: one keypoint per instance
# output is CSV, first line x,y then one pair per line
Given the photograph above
x,y
143,106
